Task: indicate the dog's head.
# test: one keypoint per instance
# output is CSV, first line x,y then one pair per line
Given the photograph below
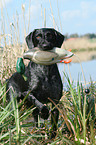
x,y
45,39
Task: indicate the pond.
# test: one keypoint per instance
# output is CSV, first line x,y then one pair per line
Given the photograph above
x,y
74,71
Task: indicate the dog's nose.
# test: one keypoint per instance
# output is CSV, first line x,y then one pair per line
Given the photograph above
x,y
45,46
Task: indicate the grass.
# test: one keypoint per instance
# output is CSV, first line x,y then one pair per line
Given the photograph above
x,y
76,122
81,44
77,109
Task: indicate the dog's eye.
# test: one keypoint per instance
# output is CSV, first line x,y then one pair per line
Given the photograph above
x,y
39,36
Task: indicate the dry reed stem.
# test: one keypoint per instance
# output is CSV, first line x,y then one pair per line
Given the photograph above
x,y
8,59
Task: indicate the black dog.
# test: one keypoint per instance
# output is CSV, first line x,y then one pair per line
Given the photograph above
x,y
43,82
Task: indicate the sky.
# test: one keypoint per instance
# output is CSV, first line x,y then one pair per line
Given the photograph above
x,y
67,16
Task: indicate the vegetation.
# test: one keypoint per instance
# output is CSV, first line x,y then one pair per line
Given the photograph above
x,y
80,44
77,121
88,35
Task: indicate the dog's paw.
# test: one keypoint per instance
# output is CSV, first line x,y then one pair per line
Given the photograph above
x,y
44,112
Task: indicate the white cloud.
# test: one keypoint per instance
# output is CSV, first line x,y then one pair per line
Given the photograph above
x,y
80,18
75,14
69,14
88,6
4,2
86,9
34,11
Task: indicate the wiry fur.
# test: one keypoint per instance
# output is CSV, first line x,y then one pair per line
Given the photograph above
x,y
43,82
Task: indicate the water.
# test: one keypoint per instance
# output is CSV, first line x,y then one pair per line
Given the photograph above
x,y
74,70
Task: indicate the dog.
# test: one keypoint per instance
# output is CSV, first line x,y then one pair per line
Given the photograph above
x,y
43,81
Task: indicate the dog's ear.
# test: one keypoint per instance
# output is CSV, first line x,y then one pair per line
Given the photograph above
x,y
59,39
30,41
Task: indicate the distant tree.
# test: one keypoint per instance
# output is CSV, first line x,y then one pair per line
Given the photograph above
x,y
74,35
66,36
90,35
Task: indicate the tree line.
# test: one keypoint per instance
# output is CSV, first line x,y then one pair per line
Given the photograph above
x,y
75,35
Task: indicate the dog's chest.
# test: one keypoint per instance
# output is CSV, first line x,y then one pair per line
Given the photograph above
x,y
44,81
41,77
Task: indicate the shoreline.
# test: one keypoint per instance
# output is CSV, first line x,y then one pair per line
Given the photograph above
x,y
84,56
84,48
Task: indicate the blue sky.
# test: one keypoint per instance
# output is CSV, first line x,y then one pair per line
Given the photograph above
x,y
77,16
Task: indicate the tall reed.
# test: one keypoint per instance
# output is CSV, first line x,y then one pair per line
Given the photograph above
x,y
77,109
11,48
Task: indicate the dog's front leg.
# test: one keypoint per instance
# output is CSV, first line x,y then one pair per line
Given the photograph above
x,y
54,121
41,108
